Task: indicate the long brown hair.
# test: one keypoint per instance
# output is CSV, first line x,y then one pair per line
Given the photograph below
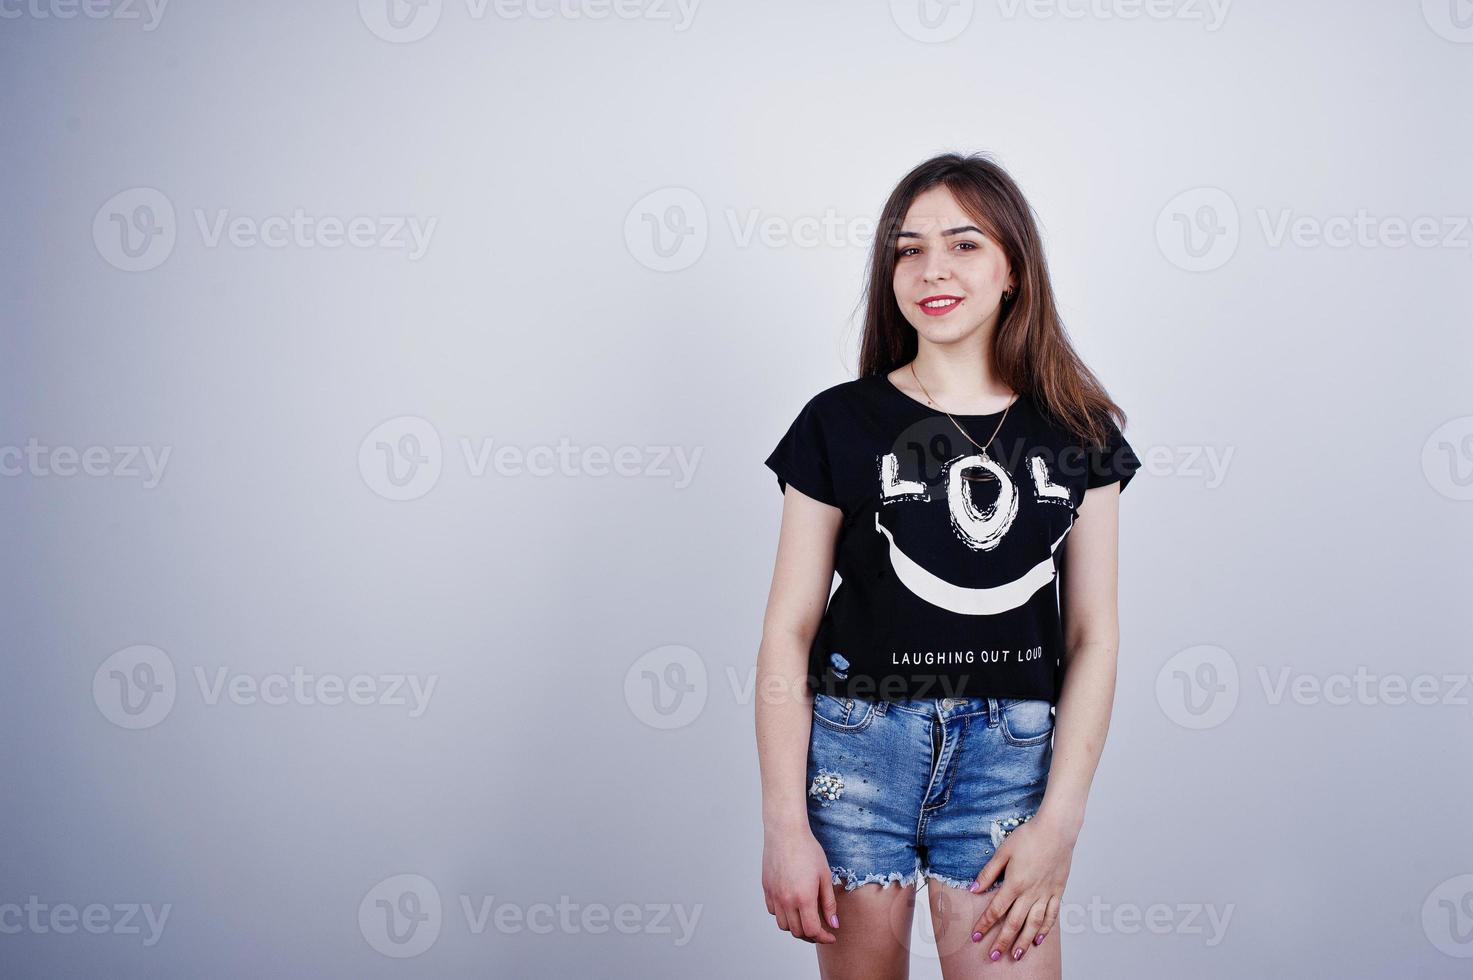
x,y
1030,348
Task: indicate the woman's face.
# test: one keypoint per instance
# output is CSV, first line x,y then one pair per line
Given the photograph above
x,y
949,274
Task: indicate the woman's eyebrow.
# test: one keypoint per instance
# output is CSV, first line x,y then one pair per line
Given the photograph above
x,y
949,231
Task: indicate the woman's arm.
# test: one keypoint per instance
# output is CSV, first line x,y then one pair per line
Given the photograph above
x,y
1038,854
795,873
1091,642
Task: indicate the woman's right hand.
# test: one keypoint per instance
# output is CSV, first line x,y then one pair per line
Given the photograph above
x,y
798,885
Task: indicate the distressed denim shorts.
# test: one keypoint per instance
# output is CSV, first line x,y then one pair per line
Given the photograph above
x,y
904,791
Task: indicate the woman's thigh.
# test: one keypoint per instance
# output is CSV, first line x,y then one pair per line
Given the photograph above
x,y
873,934
954,911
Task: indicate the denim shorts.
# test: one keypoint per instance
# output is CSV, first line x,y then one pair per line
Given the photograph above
x,y
910,790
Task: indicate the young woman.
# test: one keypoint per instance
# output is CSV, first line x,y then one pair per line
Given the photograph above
x,y
941,716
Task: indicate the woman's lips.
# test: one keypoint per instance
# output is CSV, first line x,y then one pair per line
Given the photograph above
x,y
939,305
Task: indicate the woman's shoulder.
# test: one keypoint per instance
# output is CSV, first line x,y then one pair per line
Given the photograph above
x,y
839,399
852,388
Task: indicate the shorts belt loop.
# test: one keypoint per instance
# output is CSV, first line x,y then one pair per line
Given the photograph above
x,y
880,706
993,712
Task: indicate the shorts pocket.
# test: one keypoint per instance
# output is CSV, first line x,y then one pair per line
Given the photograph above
x,y
1026,721
842,714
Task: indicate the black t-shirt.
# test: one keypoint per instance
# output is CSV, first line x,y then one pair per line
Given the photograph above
x,y
949,562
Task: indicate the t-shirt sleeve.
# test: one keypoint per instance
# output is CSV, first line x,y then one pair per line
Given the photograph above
x,y
1116,460
802,457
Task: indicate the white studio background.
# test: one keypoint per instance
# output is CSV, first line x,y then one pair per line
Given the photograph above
x,y
383,401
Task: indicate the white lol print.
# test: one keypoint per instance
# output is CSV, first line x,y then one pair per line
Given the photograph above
x,y
981,529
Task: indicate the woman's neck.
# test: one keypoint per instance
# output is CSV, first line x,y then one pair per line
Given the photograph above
x,y
962,382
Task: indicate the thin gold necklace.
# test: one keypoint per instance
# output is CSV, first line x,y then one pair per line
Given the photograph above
x,y
983,449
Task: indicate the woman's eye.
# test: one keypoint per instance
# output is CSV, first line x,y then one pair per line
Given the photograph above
x,y
905,252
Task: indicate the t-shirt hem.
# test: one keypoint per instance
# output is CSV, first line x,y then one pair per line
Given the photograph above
x,y
913,689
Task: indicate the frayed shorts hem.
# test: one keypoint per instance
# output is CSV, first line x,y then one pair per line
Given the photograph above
x,y
957,882
852,879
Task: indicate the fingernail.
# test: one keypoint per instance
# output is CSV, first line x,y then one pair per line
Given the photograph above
x,y
976,937
995,955
1038,939
1018,953
974,887
834,921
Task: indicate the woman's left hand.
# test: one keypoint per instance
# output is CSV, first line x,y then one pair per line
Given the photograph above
x,y
1037,857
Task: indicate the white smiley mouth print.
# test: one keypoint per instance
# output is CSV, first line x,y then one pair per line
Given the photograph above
x,y
981,529
960,599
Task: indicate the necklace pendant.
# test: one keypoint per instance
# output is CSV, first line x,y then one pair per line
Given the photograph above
x,y
984,475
